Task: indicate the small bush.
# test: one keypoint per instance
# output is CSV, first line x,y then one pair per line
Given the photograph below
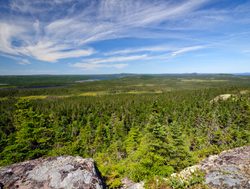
x,y
195,181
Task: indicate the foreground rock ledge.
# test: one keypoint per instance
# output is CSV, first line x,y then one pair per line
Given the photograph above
x,y
52,173
228,170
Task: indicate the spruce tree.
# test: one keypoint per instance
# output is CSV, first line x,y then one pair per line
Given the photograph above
x,y
33,137
152,156
180,154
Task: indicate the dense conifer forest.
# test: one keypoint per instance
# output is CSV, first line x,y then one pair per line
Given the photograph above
x,y
135,126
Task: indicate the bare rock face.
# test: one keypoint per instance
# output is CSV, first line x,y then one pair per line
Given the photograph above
x,y
228,170
129,184
52,173
222,97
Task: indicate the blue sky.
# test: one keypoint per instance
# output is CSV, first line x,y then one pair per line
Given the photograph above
x,y
124,36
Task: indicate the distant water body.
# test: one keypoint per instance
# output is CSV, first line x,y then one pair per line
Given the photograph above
x,y
87,80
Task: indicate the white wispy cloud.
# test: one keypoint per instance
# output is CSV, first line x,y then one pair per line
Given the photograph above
x,y
7,32
131,55
24,62
94,66
159,48
44,50
57,29
108,62
35,6
67,36
48,51
187,49
116,59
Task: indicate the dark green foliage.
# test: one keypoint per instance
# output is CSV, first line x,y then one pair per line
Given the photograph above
x,y
33,137
135,135
153,151
180,156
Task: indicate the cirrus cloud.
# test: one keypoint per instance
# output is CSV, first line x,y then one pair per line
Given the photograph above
x,y
42,32
53,30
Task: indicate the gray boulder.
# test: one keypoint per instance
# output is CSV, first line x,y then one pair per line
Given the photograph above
x,y
129,184
228,170
52,173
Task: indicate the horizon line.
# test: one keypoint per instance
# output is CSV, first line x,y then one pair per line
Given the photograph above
x,y
178,73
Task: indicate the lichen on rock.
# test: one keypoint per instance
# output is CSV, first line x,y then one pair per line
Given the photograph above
x,y
52,173
228,170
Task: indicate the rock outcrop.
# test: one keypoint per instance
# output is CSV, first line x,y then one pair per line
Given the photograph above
x,y
228,170
52,173
129,184
222,97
